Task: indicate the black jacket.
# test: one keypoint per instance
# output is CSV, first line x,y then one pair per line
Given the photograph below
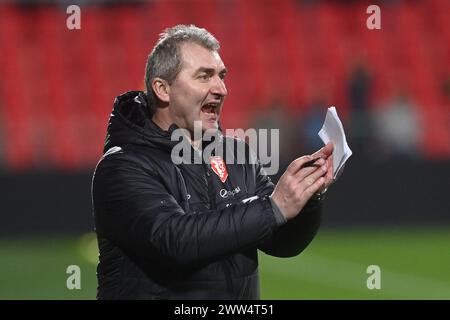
x,y
169,231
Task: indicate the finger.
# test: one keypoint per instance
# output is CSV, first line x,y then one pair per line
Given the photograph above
x,y
329,177
312,189
324,152
330,160
306,171
295,165
329,147
312,163
329,174
313,177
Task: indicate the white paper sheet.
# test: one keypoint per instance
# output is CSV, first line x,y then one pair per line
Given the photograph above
x,y
332,130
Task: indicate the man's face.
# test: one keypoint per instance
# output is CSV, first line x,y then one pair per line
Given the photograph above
x,y
198,92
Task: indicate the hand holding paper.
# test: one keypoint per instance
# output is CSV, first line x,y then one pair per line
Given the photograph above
x,y
332,130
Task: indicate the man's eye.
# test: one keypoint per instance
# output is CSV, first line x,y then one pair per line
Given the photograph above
x,y
205,76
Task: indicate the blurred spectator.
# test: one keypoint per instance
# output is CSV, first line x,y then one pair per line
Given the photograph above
x,y
359,90
398,128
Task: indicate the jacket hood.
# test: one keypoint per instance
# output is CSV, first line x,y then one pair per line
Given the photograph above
x,y
130,123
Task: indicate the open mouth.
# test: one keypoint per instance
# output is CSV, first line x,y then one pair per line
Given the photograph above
x,y
210,108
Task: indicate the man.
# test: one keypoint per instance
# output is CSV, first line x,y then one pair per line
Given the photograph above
x,y
169,231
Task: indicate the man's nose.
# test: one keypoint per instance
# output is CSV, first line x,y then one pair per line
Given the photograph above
x,y
219,88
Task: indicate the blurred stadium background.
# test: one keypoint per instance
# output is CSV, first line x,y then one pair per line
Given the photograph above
x,y
288,61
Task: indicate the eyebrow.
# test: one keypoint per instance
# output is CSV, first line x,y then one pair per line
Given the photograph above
x,y
210,70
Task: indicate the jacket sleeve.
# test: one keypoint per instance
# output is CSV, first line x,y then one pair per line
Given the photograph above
x,y
134,209
291,238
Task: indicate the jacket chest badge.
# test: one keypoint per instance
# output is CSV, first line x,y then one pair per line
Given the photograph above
x,y
219,168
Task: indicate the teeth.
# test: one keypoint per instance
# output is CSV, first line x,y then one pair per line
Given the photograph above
x,y
209,108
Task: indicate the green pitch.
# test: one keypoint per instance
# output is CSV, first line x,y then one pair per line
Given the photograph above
x,y
414,264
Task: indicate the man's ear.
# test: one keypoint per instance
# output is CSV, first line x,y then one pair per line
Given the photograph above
x,y
161,89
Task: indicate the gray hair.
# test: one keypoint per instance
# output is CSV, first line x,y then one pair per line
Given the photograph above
x,y
165,59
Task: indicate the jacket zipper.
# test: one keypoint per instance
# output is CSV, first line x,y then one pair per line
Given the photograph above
x,y
212,201
209,184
